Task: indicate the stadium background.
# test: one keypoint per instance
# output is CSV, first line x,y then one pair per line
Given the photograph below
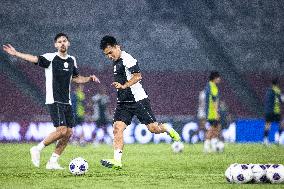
x,y
177,44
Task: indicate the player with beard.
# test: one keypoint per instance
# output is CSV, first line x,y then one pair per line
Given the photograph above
x,y
60,70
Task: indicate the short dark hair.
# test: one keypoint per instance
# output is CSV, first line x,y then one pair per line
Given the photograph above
x,y
275,81
214,75
60,35
107,40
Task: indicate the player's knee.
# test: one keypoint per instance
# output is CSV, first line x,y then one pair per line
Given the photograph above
x,y
153,128
63,131
69,132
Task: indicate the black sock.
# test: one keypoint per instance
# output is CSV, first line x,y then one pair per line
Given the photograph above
x,y
266,132
280,130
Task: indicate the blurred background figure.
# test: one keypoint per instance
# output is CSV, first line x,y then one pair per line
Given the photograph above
x,y
225,117
212,113
101,114
272,110
201,116
78,107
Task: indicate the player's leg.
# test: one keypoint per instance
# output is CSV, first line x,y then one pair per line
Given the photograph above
x,y
268,120
208,136
122,117
57,115
216,128
280,127
68,120
118,128
201,128
158,128
60,146
266,132
62,143
145,115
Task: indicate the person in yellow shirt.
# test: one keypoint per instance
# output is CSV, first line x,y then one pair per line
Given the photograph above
x,y
212,112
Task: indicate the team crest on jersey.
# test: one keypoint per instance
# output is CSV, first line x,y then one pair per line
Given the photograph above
x,y
66,64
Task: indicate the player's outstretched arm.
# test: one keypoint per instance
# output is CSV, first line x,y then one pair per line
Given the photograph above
x,y
12,51
82,79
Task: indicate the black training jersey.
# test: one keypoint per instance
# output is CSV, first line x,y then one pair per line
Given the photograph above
x,y
123,69
58,75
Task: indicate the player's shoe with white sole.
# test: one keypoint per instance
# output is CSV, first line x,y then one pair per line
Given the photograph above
x,y
35,156
174,135
111,163
53,166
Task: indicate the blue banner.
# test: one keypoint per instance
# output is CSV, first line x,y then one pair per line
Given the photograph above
x,y
252,130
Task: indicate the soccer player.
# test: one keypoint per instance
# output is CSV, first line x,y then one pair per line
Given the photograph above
x,y
272,109
212,112
131,99
60,70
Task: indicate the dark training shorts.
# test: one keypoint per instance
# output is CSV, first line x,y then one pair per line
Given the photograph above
x,y
214,122
142,110
271,117
61,114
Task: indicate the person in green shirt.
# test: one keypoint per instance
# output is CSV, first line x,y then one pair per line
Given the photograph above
x,y
212,112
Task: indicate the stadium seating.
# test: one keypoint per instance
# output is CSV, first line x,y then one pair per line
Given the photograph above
x,y
171,41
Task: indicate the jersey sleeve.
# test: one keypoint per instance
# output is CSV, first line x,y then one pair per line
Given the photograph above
x,y
207,91
75,69
45,60
131,63
134,69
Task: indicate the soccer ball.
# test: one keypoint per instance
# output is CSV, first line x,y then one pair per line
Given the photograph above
x,y
78,166
275,173
177,147
258,173
241,173
228,173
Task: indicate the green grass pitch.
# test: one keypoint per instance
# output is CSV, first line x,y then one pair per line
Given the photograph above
x,y
144,166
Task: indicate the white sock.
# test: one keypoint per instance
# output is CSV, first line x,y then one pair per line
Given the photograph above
x,y
214,142
40,146
207,145
117,155
54,157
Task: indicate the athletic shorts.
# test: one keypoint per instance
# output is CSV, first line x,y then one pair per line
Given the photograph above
x,y
271,117
61,114
142,110
214,122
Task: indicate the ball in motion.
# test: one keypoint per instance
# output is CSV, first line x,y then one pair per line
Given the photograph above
x,y
78,166
177,147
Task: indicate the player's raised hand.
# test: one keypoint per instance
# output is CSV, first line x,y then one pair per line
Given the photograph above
x,y
95,79
9,49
